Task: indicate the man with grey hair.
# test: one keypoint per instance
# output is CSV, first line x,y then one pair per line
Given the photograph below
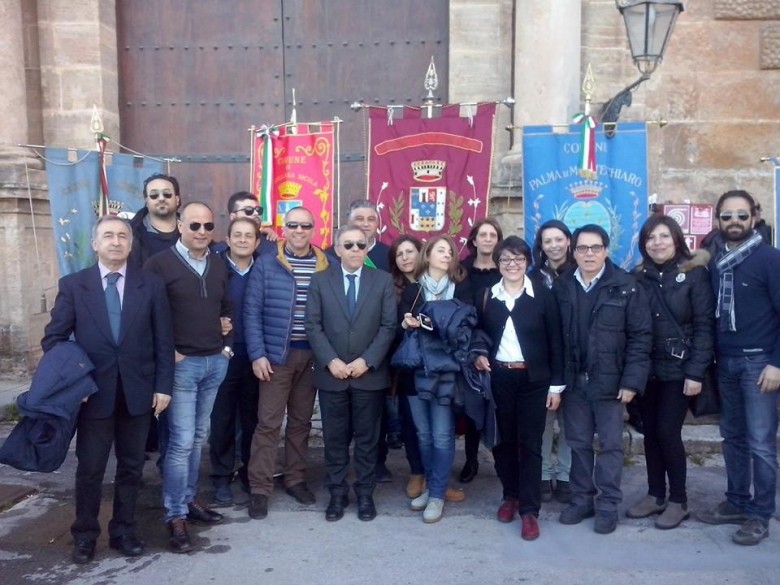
x,y
364,214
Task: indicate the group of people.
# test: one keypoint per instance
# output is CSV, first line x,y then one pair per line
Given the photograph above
x,y
220,342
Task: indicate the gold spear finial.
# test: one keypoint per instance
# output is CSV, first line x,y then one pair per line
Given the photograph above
x,y
96,123
588,84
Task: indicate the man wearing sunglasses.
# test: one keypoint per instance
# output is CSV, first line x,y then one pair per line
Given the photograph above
x,y
350,323
364,214
746,277
281,357
197,287
155,225
243,204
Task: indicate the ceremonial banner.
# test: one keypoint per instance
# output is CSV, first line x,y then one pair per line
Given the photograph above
x,y
777,205
74,178
695,220
429,176
616,199
297,171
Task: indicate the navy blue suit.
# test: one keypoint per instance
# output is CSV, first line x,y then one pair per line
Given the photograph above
x,y
128,372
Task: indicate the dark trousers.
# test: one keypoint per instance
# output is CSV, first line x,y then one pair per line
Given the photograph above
x,y
591,474
93,446
663,408
520,414
471,440
346,415
235,409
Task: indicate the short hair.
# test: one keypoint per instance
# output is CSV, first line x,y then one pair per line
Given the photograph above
x,y
106,218
238,196
172,180
737,193
538,253
680,247
590,228
350,227
398,277
299,208
456,272
191,203
515,245
361,204
492,221
243,219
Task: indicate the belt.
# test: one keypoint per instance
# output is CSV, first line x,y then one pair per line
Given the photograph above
x,y
511,365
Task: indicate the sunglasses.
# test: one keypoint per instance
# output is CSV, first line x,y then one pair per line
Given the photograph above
x,y
249,211
350,245
294,225
154,195
196,225
595,248
728,215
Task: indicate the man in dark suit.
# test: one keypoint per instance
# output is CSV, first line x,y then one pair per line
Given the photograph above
x,y
120,316
350,323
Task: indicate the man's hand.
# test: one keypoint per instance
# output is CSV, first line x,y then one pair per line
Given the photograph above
x,y
357,367
338,369
482,363
769,380
691,388
262,369
269,233
625,395
553,400
160,402
227,325
179,356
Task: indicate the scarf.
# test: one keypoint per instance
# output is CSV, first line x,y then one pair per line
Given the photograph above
x,y
442,290
726,263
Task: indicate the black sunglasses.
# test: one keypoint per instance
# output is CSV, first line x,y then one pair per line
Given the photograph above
x,y
154,195
294,225
741,215
350,245
249,211
196,225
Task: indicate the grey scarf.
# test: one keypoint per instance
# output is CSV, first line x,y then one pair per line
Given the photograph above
x,y
443,290
726,263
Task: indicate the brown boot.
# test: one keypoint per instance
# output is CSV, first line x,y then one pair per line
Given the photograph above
x,y
453,495
415,486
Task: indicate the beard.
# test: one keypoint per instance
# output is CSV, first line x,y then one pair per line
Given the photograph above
x,y
736,233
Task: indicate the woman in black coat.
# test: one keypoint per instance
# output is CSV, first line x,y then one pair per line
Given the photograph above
x,y
683,309
525,361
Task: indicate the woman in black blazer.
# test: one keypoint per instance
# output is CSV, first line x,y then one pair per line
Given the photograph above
x,y
525,361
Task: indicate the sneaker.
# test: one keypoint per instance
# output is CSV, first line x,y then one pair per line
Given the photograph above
x,y
562,492
574,514
415,486
751,532
382,474
723,513
605,522
547,491
647,506
420,502
433,510
673,516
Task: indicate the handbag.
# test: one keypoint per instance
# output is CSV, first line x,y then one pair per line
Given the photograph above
x,y
408,356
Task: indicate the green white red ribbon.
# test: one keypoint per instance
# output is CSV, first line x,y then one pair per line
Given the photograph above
x,y
268,133
588,148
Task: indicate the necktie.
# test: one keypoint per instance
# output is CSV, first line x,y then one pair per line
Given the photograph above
x,y
351,294
113,304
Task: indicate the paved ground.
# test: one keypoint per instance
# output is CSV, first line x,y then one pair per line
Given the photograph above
x,y
295,545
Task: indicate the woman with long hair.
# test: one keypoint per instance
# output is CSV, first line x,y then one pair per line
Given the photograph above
x,y
683,308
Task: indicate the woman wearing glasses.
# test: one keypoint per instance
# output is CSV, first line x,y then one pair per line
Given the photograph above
x,y
683,309
525,361
439,277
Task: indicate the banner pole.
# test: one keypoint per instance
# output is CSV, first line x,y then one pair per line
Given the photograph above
x,y
337,123
251,131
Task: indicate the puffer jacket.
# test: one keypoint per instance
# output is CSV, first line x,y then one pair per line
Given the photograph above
x,y
685,287
269,304
619,336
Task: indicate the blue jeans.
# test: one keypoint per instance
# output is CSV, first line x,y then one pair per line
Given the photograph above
x,y
195,385
436,434
748,425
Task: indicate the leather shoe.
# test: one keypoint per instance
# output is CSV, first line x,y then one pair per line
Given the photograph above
x,y
507,510
366,508
127,544
258,506
529,527
301,493
335,510
201,514
83,551
469,471
180,538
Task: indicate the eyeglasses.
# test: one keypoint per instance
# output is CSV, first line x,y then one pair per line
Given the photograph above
x,y
728,215
350,245
595,248
154,195
249,211
519,261
294,225
196,225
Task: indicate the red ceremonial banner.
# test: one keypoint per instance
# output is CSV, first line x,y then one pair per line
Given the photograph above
x,y
430,176
300,174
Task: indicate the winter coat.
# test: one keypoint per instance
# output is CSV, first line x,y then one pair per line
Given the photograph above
x,y
685,287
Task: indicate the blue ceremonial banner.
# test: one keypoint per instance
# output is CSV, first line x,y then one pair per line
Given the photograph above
x,y
74,187
616,199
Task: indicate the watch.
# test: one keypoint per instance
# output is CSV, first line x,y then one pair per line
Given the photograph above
x,y
228,351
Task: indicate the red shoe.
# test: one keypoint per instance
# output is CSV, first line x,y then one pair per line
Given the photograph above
x,y
529,529
507,511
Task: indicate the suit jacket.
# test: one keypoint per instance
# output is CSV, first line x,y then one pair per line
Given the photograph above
x,y
144,355
368,334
